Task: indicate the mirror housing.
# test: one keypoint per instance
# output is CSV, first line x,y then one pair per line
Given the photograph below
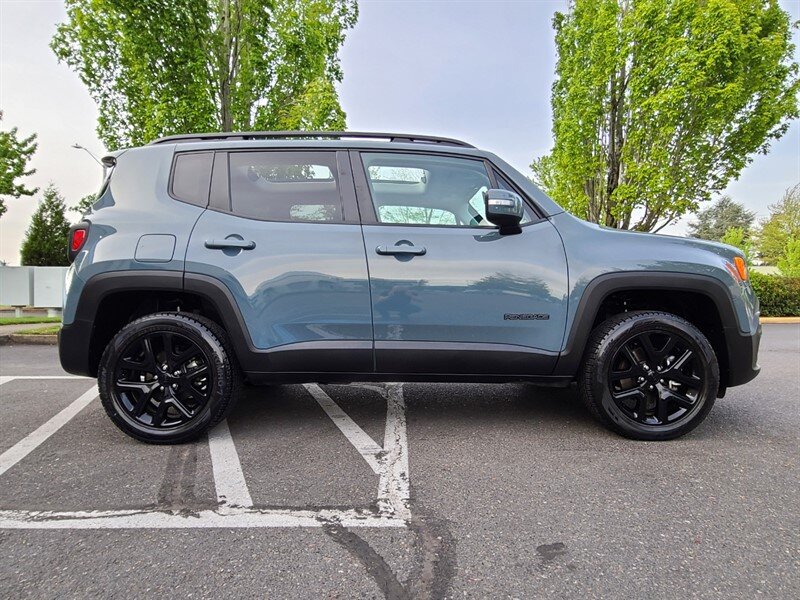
x,y
504,209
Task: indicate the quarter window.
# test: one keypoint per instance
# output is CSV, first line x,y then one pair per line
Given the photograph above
x,y
285,186
192,176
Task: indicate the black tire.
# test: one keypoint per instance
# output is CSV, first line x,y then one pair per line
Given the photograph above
x,y
197,389
644,401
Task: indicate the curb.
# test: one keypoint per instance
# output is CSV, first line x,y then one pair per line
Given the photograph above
x,y
33,340
784,320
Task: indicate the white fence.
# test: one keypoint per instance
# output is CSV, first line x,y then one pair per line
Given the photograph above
x,y
39,287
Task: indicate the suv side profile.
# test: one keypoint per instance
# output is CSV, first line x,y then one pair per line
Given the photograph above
x,y
286,257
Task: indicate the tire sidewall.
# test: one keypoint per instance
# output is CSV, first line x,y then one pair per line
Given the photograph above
x,y
213,351
614,341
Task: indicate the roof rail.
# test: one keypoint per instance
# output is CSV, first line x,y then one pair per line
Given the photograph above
x,y
267,135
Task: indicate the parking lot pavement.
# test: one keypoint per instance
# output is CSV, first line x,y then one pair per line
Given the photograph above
x,y
399,491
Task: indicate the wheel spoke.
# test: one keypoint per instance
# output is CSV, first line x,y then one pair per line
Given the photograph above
x,y
681,361
149,356
649,350
690,380
181,408
161,412
678,398
196,371
662,409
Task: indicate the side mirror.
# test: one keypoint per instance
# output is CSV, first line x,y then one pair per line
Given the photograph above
x,y
504,209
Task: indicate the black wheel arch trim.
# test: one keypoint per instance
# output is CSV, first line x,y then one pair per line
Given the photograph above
x,y
742,348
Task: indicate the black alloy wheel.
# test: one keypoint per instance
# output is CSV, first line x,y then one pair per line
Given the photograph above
x,y
167,377
649,375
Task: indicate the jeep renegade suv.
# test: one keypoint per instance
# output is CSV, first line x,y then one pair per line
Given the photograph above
x,y
275,257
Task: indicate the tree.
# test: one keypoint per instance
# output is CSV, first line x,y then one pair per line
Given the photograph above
x,y
738,237
84,204
781,228
159,67
14,156
46,239
713,222
658,104
789,263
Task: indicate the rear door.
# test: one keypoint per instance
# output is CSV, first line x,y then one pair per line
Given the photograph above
x,y
282,235
449,293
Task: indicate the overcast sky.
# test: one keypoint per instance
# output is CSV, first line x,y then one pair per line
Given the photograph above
x,y
476,70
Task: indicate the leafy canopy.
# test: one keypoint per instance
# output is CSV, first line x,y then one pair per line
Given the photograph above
x,y
14,156
779,234
714,221
160,67
657,104
45,243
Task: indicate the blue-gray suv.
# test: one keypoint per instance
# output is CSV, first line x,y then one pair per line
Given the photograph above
x,y
213,260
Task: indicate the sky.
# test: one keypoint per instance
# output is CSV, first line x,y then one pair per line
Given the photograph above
x,y
476,70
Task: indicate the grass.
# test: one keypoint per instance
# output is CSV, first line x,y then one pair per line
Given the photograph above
x,y
49,330
28,320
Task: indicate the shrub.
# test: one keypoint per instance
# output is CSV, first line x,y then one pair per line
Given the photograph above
x,y
779,296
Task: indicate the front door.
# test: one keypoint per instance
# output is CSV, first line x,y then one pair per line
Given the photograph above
x,y
449,293
282,235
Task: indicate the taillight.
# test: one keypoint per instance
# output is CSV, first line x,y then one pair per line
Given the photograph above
x,y
77,238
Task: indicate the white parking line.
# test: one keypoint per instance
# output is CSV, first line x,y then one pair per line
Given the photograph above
x,y
236,505
7,378
152,519
34,439
228,476
365,445
394,489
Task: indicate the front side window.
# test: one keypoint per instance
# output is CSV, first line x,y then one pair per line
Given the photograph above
x,y
285,186
414,189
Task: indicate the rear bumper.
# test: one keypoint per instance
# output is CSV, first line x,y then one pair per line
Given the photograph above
x,y
74,342
742,357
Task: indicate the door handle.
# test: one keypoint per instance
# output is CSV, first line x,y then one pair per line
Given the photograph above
x,y
230,243
389,250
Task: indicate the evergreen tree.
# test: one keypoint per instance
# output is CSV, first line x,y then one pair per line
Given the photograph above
x,y
715,221
46,239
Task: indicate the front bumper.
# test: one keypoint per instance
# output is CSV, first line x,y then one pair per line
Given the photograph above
x,y
742,356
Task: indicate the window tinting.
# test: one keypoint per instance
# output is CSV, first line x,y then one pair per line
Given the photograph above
x,y
419,189
285,186
191,177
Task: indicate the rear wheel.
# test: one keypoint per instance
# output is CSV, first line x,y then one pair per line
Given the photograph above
x,y
649,375
167,377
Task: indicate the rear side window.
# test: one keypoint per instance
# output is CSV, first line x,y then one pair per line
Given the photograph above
x,y
191,177
285,186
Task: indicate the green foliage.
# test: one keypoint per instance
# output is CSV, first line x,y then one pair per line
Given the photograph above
x,y
715,221
738,237
781,228
789,263
46,239
84,204
14,156
779,296
657,104
160,67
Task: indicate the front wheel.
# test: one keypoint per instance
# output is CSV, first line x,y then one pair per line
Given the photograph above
x,y
649,375
167,377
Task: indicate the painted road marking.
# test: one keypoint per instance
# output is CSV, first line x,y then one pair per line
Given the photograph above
x,y
7,378
360,439
227,469
36,438
153,519
236,505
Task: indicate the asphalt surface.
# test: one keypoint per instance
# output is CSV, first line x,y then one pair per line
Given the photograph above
x,y
515,492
